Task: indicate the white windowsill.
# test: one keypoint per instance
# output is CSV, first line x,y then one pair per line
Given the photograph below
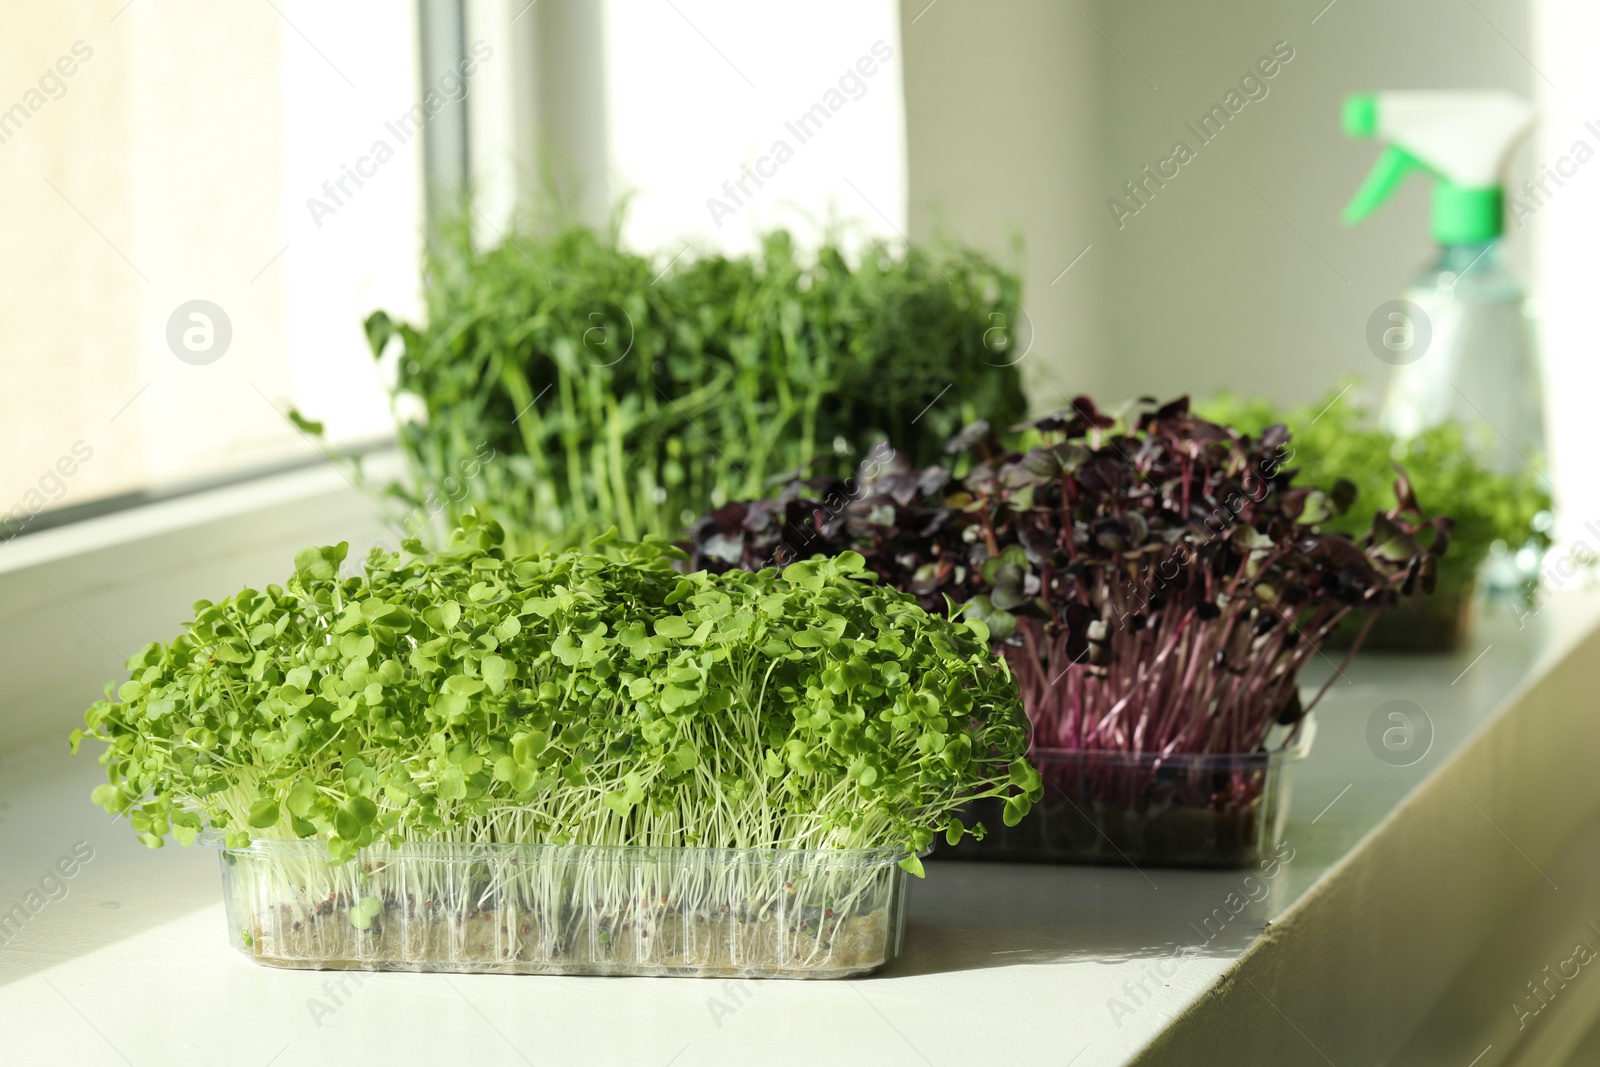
x,y
1005,963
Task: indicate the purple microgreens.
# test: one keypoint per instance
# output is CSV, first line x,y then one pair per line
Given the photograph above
x,y
1155,581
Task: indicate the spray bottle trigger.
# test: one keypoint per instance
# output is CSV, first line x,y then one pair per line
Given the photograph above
x,y
1387,176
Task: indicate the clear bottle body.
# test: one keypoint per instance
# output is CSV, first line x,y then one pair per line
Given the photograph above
x,y
1480,367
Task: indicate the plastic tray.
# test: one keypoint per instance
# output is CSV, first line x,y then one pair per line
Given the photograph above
x,y
553,909
1144,809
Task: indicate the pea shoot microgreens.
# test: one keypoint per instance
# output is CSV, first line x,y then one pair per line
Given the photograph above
x,y
591,697
616,388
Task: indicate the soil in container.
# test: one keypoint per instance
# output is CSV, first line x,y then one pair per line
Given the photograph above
x,y
484,941
1439,623
1106,808
564,916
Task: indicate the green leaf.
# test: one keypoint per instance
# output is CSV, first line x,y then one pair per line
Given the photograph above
x,y
804,575
1316,509
464,685
442,618
1015,808
320,564
849,562
302,797
185,827
263,813
305,425
357,646
494,673
913,866
452,784
364,911
674,627
354,816
624,800
567,651
685,757
231,652
379,329
528,746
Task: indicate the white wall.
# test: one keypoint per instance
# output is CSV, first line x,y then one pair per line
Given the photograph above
x,y
1030,115
700,90
1568,267
1210,285
1004,122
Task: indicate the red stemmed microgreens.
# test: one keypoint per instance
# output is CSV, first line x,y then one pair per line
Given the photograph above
x,y
1156,582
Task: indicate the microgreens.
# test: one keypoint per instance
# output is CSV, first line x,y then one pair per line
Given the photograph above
x,y
596,697
1156,584
613,389
1337,436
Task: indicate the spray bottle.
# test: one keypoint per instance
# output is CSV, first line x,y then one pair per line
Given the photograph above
x,y
1461,341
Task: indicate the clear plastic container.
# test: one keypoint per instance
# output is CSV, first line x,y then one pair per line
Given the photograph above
x,y
1140,808
554,909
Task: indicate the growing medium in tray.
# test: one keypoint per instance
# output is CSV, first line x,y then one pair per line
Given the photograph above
x,y
1155,581
583,762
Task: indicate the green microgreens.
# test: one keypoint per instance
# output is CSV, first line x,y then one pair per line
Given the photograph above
x,y
588,697
611,388
1337,437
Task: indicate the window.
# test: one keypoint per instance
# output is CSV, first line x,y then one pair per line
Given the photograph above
x,y
202,203
726,119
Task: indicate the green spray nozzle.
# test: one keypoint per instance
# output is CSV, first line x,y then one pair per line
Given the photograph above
x,y
1386,176
1459,139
